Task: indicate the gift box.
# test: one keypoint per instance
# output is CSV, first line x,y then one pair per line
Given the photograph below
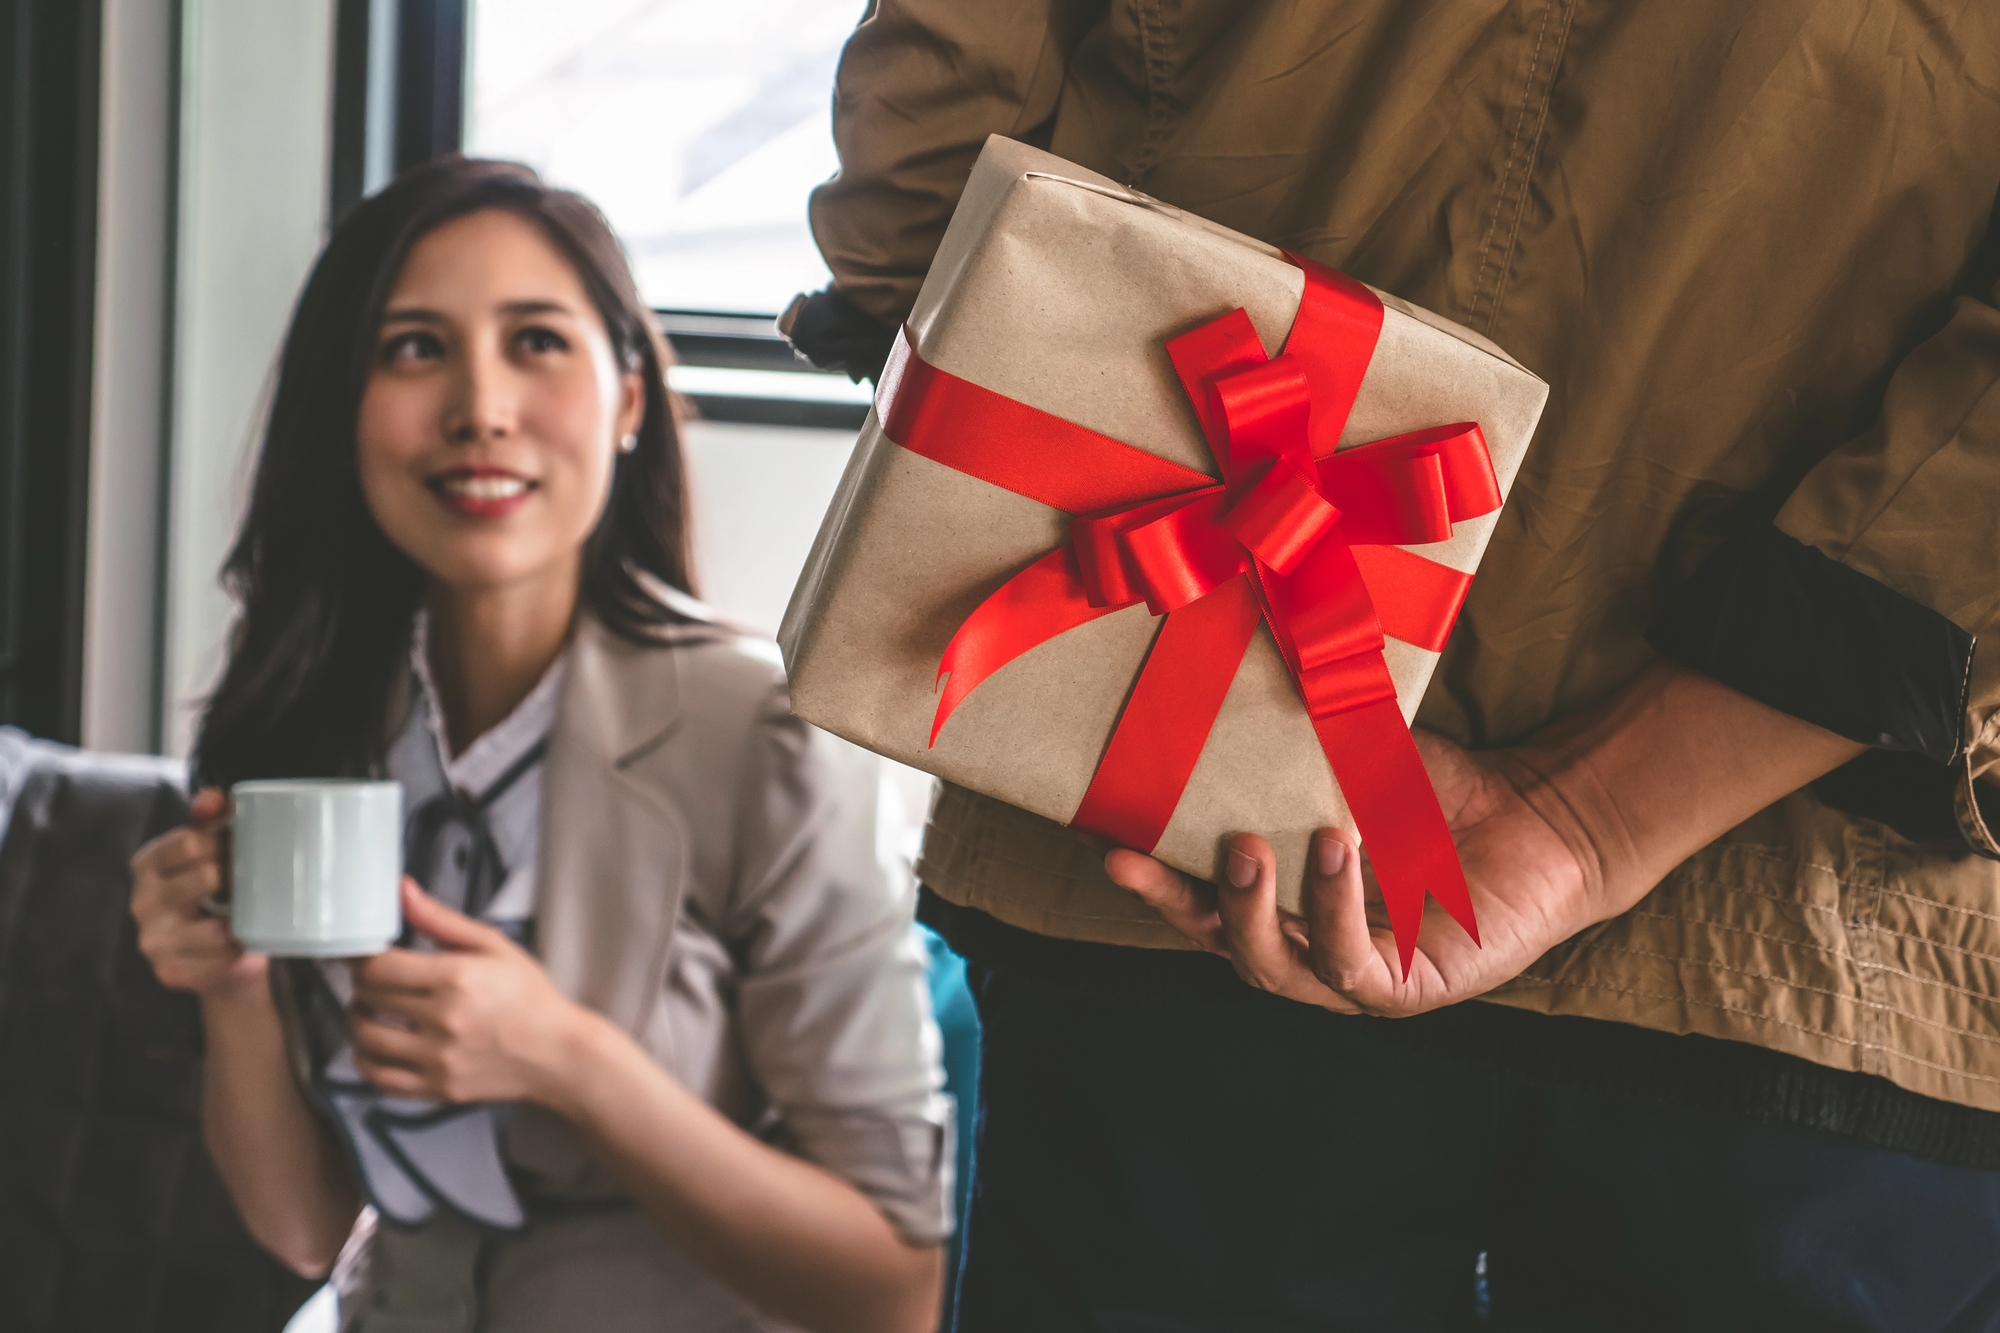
x,y
1158,530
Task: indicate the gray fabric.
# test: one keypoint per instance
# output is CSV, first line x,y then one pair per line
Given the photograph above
x,y
111,1216
22,754
17,759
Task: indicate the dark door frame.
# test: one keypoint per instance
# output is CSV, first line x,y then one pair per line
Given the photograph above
x,y
50,56
398,91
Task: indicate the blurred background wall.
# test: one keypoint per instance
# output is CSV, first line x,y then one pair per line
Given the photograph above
x,y
255,84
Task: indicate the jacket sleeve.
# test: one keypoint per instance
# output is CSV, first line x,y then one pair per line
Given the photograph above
x,y
920,86
1860,608
832,992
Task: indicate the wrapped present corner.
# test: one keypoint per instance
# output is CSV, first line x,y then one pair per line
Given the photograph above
x,y
1158,531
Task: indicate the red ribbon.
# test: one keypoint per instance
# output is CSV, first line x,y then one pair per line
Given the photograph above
x,y
1294,535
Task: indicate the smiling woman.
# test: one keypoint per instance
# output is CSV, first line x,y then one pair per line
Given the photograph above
x,y
480,445
657,1044
297,697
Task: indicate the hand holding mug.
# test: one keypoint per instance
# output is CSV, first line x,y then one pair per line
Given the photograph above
x,y
313,873
173,879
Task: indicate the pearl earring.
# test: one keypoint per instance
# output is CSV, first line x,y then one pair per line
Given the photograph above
x,y
629,443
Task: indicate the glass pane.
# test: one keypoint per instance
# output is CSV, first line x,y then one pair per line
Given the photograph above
x,y
697,126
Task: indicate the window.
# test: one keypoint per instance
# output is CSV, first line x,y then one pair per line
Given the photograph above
x,y
698,127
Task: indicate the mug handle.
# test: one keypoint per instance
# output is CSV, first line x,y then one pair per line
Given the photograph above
x,y
217,903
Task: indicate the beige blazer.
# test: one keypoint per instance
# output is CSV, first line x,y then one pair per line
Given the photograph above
x,y
718,879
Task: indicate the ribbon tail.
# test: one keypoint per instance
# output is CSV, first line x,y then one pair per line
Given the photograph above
x,y
1028,610
1166,722
1416,599
1396,811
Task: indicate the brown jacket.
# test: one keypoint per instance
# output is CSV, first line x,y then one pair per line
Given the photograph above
x,y
1730,235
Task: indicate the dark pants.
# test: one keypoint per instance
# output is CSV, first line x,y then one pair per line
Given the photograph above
x,y
1186,1167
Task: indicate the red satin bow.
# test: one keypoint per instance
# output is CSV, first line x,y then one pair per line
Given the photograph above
x,y
1295,535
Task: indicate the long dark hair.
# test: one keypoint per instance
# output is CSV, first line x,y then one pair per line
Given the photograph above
x,y
327,601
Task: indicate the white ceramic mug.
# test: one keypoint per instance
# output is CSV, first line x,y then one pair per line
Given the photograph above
x,y
315,866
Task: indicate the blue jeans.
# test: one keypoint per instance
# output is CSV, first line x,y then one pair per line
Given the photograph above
x,y
1180,1166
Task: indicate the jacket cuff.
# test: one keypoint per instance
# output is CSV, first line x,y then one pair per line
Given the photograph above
x,y
1941,806
831,331
1976,807
1777,620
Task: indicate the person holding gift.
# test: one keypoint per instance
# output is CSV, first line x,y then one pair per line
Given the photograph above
x,y
1710,733
657,1049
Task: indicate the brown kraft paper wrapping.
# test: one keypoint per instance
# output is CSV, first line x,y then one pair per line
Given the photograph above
x,y
1059,288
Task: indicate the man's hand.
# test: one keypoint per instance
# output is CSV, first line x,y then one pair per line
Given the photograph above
x,y
478,1022
1534,882
1569,829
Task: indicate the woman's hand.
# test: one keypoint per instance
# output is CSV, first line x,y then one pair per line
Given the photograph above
x,y
1534,876
288,1180
172,877
478,1022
